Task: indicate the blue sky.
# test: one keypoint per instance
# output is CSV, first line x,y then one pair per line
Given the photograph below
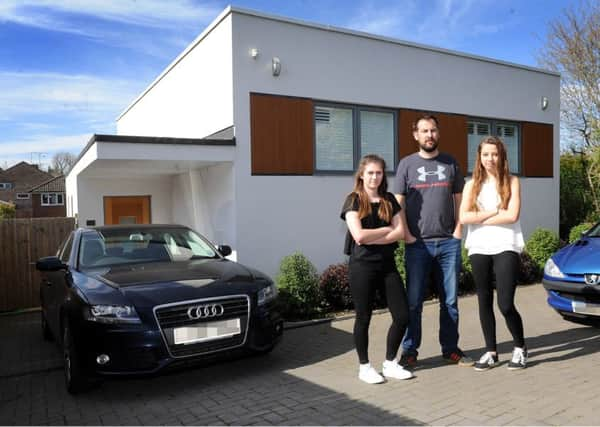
x,y
68,68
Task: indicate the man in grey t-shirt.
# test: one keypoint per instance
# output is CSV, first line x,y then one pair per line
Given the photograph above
x,y
429,185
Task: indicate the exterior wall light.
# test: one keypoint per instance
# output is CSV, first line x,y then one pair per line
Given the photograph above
x,y
254,53
276,66
544,102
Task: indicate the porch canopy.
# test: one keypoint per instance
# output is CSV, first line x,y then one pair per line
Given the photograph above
x,y
135,156
186,181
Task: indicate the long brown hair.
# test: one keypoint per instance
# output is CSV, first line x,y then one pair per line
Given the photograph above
x,y
502,178
364,206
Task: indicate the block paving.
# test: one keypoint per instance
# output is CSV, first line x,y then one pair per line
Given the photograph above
x,y
311,379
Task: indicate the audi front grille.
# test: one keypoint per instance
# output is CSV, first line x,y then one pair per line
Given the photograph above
x,y
193,314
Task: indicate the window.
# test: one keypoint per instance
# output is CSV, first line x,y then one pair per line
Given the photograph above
x,y
23,196
65,252
5,185
477,129
345,133
52,199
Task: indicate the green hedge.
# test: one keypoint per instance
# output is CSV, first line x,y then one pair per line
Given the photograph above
x,y
541,245
576,231
298,285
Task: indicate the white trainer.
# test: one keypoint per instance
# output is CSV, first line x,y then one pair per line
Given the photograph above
x,y
391,369
518,360
369,375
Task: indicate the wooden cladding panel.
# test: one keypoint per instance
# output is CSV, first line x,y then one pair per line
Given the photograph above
x,y
453,135
537,148
282,136
406,143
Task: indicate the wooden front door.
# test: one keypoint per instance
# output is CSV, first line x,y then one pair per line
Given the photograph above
x,y
126,210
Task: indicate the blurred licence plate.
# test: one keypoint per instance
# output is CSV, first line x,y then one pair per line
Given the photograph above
x,y
207,331
585,308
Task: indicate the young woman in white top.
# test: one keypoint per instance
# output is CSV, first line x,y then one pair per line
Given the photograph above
x,y
490,207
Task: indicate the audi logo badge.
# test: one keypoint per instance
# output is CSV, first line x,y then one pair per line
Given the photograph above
x,y
592,279
205,311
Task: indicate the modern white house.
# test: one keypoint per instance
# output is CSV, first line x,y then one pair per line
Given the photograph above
x,y
252,133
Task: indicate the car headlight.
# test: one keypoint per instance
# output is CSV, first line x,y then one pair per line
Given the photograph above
x,y
552,270
266,294
113,314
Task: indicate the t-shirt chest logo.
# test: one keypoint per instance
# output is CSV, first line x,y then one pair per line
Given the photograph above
x,y
423,174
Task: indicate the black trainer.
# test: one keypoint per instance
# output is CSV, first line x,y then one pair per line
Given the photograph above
x,y
458,358
487,361
408,361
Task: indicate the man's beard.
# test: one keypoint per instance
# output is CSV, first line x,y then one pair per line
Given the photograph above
x,y
429,148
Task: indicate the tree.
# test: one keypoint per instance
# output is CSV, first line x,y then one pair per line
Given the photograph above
x,y
62,161
573,49
575,196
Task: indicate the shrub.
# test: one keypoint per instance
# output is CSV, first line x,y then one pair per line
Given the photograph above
x,y
541,245
298,284
466,284
528,270
335,287
7,211
399,258
576,231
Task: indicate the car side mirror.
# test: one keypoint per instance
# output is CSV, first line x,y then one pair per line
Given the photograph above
x,y
50,263
224,249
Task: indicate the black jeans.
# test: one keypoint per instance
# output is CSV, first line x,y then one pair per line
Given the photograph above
x,y
365,278
505,267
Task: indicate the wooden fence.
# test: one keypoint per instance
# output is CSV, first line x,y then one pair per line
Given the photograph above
x,y
22,242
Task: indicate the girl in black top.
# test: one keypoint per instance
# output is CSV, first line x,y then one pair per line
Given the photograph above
x,y
374,225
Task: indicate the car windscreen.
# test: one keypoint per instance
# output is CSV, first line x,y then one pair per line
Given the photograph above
x,y
108,247
594,232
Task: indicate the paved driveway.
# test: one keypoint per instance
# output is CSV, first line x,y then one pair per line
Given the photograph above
x,y
310,379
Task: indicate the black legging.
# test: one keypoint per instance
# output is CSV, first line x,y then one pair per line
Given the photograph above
x,y
364,278
505,267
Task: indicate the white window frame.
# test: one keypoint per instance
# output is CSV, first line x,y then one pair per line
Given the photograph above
x,y
5,185
23,196
52,199
493,124
356,135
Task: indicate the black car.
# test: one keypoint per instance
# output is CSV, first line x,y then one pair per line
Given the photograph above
x,y
140,298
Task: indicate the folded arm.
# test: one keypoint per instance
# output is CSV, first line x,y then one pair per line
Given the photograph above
x,y
397,232
467,214
512,212
364,236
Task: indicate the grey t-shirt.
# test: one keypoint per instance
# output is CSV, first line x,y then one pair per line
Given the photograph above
x,y
429,186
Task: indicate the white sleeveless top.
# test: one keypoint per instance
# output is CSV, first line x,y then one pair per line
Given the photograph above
x,y
492,239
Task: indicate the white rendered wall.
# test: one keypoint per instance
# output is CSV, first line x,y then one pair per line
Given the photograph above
x,y
203,200
277,215
194,98
181,198
92,191
220,203
72,181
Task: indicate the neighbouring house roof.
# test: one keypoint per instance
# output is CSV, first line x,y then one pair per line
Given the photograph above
x,y
24,176
221,138
54,185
